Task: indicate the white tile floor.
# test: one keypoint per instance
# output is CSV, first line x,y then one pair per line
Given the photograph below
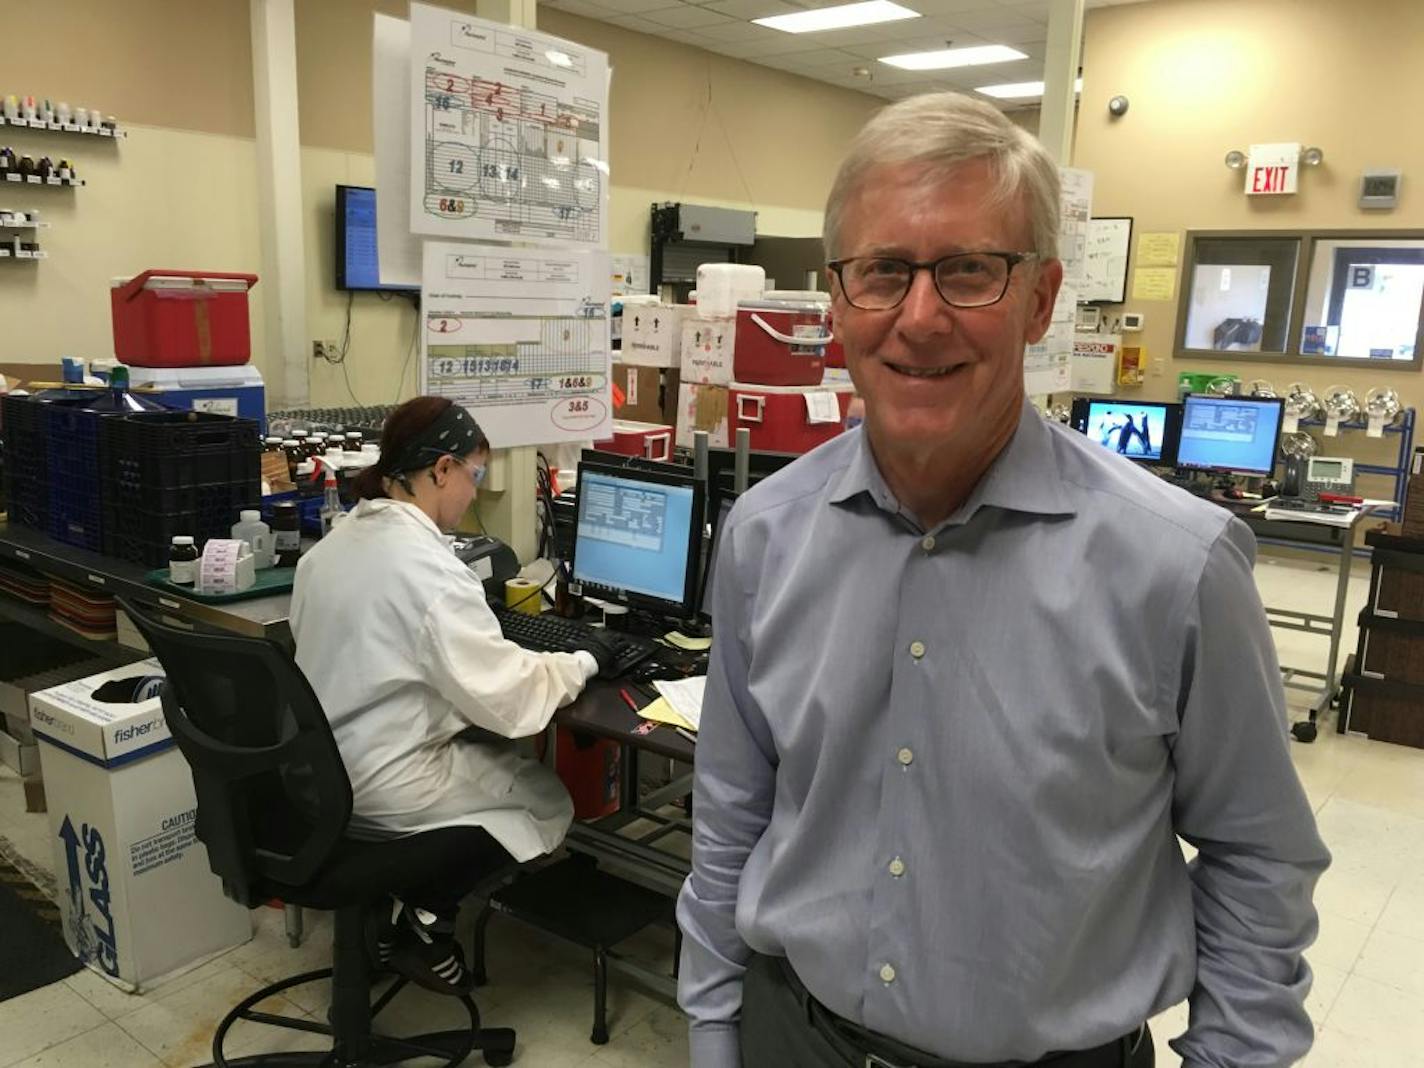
x,y
1369,961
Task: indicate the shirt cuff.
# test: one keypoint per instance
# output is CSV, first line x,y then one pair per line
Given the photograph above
x,y
587,662
715,1046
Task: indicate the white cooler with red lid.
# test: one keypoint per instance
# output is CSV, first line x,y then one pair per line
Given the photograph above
x,y
787,418
651,441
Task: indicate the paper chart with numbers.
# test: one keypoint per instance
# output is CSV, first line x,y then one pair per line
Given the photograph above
x,y
520,337
509,133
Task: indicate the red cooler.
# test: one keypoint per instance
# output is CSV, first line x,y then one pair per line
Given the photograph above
x,y
182,318
783,419
780,343
651,441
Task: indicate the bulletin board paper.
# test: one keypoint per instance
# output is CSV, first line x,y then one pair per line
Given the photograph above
x,y
397,250
1154,283
521,337
1160,249
508,133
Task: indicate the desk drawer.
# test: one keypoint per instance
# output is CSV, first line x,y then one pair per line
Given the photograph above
x,y
1385,711
1402,593
1394,655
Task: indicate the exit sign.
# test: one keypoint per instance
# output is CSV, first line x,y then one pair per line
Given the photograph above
x,y
1272,170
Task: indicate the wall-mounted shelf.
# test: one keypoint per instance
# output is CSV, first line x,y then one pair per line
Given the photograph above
x,y
64,127
33,179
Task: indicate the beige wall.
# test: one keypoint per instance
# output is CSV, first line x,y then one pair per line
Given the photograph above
x,y
1207,76
185,64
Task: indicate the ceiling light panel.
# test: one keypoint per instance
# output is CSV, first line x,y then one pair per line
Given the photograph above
x,y
838,18
946,58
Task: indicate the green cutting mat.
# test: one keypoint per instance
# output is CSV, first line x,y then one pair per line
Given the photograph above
x,y
269,581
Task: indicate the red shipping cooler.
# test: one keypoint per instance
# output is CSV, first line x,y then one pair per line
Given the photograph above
x,y
651,441
782,419
168,318
781,343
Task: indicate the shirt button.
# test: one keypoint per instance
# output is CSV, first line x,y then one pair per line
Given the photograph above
x,y
928,543
917,649
905,756
887,973
897,867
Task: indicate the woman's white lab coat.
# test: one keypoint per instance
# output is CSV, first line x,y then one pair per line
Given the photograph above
x,y
394,634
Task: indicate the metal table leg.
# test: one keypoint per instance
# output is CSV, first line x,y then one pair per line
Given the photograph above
x,y
1306,730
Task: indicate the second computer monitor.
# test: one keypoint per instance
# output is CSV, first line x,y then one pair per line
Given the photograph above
x,y
638,536
1145,431
1235,434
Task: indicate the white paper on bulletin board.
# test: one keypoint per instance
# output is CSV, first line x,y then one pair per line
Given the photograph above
x,y
1075,212
397,250
520,336
1048,362
1105,262
508,133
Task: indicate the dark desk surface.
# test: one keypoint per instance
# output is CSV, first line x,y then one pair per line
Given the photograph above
x,y
258,617
599,710
1289,530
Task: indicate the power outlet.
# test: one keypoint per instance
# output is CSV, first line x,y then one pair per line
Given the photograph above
x,y
324,350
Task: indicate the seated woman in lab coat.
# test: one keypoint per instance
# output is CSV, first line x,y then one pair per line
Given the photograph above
x,y
394,634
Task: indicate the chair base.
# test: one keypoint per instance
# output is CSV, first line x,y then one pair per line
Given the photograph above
x,y
361,1050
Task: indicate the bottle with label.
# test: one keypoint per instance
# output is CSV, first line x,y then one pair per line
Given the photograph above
x,y
353,441
271,444
295,455
330,503
286,533
258,535
183,561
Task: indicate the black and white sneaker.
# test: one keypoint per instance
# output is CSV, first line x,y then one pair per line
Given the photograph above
x,y
427,954
381,935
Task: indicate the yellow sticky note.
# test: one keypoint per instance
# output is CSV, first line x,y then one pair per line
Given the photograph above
x,y
1154,283
1159,249
662,712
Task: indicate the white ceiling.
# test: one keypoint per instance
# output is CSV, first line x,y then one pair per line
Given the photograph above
x,y
725,26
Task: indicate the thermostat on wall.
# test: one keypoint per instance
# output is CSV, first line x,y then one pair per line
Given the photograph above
x,y
1379,189
1132,321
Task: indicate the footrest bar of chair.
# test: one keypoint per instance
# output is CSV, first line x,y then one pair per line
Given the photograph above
x,y
293,1023
451,1045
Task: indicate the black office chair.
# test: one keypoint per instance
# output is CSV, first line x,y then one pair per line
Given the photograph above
x,y
273,804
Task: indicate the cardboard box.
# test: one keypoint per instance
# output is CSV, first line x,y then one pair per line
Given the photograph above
x,y
708,348
652,334
642,390
136,893
34,794
701,407
26,375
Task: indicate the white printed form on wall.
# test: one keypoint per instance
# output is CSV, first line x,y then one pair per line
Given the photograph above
x,y
1048,362
521,337
509,133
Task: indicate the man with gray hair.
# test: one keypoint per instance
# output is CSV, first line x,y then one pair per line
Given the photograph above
x,y
959,713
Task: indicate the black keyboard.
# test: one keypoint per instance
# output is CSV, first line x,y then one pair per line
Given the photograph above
x,y
548,633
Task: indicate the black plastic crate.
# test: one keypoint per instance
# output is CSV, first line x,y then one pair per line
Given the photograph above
x,y
76,476
146,537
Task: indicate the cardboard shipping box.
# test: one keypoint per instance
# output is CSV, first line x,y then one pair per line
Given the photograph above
x,y
652,334
708,346
701,407
137,896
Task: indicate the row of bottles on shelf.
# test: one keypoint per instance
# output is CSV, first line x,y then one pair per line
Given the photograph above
x,y
11,219
88,120
21,250
19,167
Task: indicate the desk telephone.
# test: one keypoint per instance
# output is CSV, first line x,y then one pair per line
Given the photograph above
x,y
1309,477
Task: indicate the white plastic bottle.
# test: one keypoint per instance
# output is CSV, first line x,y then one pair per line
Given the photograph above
x,y
258,535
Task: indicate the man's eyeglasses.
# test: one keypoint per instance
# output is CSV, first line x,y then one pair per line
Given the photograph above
x,y
963,280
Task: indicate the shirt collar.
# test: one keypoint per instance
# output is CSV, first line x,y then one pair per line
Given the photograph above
x,y
1024,477
369,506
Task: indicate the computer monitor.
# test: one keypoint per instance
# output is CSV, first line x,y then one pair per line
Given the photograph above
x,y
714,545
1239,435
638,537
1145,431
358,266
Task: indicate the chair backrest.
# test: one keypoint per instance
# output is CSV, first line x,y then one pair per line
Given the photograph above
x,y
273,795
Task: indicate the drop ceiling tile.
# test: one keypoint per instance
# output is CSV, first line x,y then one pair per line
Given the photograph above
x,y
931,8
629,7
580,7
686,17
742,31
751,9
